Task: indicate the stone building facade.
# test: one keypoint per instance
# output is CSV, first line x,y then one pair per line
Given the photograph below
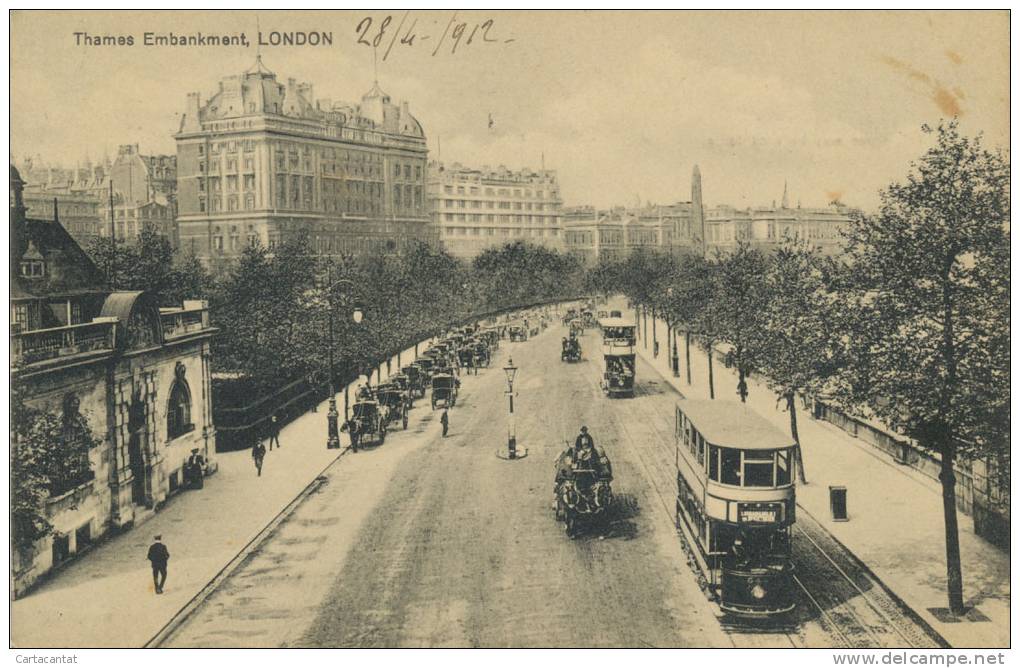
x,y
135,376
476,209
144,191
78,213
261,160
690,228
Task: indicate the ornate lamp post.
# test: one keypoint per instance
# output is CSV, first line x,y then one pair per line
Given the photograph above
x,y
511,371
332,416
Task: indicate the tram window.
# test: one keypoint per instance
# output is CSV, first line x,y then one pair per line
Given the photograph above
x,y
713,463
730,466
759,467
701,450
782,467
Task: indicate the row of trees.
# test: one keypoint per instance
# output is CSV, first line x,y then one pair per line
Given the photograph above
x,y
273,307
910,325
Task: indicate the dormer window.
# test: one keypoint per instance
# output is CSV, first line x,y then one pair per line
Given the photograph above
x,y
33,265
33,268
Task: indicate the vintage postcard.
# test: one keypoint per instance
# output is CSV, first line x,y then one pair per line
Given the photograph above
x,y
510,329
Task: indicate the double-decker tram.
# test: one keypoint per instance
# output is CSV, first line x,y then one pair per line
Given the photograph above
x,y
619,340
736,503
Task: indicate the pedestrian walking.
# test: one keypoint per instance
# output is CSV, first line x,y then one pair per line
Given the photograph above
x,y
258,453
158,556
194,470
445,420
274,432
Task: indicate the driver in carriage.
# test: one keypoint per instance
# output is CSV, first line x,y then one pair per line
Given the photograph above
x,y
583,454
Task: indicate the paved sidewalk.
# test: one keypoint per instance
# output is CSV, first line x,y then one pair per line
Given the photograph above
x,y
105,598
896,525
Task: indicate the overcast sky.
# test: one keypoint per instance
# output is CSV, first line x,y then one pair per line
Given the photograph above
x,y
623,105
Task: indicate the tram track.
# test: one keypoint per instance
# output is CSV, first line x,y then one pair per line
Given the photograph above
x,y
836,591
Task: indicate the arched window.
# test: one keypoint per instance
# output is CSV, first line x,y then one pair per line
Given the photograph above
x,y
178,414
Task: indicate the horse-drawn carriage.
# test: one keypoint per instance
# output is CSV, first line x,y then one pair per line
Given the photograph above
x,y
571,351
518,332
444,390
415,382
401,380
491,337
583,489
366,424
576,327
466,356
425,364
482,354
394,403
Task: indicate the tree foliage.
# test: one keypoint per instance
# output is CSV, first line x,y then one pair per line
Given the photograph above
x,y
931,300
931,291
49,456
150,263
273,307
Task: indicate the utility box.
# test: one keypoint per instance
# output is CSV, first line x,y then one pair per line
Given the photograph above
x,y
837,503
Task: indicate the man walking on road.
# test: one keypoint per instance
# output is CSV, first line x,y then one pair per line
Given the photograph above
x,y
445,421
258,453
274,432
158,556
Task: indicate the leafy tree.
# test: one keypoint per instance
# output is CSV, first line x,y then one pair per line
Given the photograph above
x,y
687,293
800,332
150,263
738,306
932,290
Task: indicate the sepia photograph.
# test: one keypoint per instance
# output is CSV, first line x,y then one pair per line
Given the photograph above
x,y
506,329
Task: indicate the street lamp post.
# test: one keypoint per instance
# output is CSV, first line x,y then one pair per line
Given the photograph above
x,y
332,415
511,443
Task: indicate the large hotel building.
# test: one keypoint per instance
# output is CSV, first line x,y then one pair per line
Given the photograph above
x,y
261,160
477,209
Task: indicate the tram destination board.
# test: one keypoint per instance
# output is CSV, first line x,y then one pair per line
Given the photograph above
x,y
758,513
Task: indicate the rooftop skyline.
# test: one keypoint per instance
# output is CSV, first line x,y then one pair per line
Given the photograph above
x,y
621,105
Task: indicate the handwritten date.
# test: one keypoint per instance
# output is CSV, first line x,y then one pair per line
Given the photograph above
x,y
456,34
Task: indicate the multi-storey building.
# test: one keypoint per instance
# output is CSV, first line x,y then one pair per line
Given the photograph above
x,y
687,227
767,227
78,213
128,382
476,209
143,192
260,160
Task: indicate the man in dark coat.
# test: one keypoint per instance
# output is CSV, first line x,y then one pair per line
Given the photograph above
x,y
158,556
584,440
258,453
444,419
274,432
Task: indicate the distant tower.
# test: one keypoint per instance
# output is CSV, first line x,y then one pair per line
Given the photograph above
x,y
698,211
786,199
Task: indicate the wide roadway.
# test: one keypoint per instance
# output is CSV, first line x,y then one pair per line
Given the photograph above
x,y
436,542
